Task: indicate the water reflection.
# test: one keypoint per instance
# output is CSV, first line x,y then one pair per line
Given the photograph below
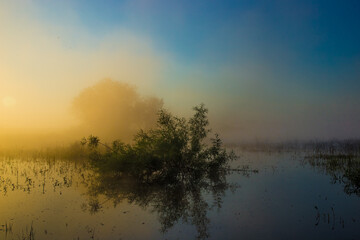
x,y
188,200
35,185
342,170
68,200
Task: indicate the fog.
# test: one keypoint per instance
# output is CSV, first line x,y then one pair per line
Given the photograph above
x,y
114,110
52,92
108,109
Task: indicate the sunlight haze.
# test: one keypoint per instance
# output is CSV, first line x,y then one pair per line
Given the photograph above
x,y
254,89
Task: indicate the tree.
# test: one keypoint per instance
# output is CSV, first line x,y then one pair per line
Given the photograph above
x,y
172,151
115,110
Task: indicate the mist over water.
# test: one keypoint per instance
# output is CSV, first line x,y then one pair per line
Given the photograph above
x,y
185,119
113,110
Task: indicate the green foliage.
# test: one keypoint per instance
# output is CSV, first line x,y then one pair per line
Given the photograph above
x,y
172,151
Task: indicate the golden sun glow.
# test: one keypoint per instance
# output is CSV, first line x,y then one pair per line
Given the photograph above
x,y
8,101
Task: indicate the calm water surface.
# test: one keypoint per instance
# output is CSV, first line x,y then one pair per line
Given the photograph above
x,y
288,198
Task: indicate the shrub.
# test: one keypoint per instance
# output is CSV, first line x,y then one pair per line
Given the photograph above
x,y
172,151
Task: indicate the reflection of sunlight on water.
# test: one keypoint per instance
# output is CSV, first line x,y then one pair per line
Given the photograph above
x,y
51,195
66,200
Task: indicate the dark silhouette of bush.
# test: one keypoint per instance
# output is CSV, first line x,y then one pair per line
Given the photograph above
x,y
172,151
167,169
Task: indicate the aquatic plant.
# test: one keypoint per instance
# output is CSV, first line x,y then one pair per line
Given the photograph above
x,y
345,148
28,234
342,170
72,151
172,151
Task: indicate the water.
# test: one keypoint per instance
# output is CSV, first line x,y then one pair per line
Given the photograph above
x,y
288,198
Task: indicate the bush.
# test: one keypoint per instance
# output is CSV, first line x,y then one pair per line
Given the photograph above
x,y
173,151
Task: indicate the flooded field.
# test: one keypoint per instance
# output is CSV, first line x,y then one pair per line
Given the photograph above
x,y
288,197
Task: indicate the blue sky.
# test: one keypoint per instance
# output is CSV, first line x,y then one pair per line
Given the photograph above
x,y
311,43
325,33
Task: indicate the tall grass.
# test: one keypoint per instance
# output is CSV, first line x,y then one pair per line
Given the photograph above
x,y
316,148
72,151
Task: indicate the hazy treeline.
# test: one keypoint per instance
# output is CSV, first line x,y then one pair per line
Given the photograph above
x,y
318,147
109,109
114,110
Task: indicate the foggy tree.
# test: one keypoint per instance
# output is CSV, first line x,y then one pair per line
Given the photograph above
x,y
115,110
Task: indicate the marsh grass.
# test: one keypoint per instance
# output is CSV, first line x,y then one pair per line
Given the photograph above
x,y
335,149
74,151
6,228
29,234
344,170
347,148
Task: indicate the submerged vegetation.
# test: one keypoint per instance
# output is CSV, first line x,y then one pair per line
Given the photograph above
x,y
174,203
342,169
167,169
336,149
173,151
340,160
346,148
73,152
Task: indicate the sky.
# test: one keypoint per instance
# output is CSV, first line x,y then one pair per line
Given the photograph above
x,y
265,69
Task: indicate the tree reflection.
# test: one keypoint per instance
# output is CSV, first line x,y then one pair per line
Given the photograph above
x,y
188,200
172,169
343,170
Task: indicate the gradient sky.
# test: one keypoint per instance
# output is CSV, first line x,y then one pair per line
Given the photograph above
x,y
266,69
